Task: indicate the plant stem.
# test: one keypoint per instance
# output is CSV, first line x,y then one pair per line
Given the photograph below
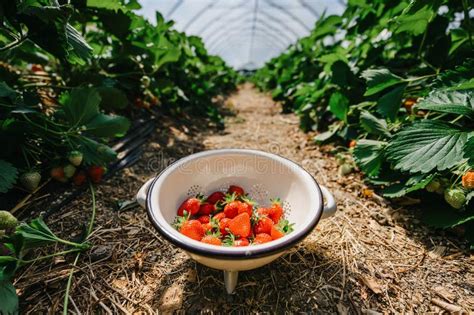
x,y
13,44
89,231
49,256
68,285
91,223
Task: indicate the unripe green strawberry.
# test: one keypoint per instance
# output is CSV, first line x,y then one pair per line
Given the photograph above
x,y
433,186
345,169
7,220
455,197
340,159
69,170
75,158
30,180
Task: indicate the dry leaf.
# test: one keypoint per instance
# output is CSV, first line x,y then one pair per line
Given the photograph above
x,y
372,283
446,306
172,299
444,293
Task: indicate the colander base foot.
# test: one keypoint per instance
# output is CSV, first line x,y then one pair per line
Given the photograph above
x,y
230,280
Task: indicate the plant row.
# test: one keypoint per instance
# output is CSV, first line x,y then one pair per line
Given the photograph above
x,y
72,73
394,81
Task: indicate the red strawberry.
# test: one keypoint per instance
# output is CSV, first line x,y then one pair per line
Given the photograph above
x,y
95,173
79,178
191,205
232,209
263,211
219,216
240,225
245,207
237,190
204,219
223,225
241,242
207,208
276,233
262,238
276,211
264,225
207,227
58,174
215,197
211,239
37,68
192,229
281,229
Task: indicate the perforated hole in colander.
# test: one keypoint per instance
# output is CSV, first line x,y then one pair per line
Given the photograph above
x,y
286,208
259,193
195,190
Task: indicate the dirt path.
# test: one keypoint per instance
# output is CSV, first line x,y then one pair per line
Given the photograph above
x,y
368,257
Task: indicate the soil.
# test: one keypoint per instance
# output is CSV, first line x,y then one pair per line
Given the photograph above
x,y
371,257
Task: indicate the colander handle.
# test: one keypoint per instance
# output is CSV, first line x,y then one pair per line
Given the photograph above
x,y
330,206
141,194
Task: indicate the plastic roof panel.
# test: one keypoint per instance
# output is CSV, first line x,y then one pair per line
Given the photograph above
x,y
245,33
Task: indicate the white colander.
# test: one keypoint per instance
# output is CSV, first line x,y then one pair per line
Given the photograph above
x,y
263,175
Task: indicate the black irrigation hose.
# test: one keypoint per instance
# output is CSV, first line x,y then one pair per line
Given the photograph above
x,y
129,150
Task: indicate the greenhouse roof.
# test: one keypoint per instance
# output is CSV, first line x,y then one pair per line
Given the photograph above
x,y
245,33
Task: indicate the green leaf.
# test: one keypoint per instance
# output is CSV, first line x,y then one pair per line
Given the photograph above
x,y
369,155
8,298
81,105
427,145
112,98
339,106
105,4
325,136
441,215
36,234
79,50
326,26
6,91
415,22
374,125
469,151
453,102
107,126
414,183
8,176
379,79
389,104
94,153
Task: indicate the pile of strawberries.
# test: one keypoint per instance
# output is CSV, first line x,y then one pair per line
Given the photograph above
x,y
231,219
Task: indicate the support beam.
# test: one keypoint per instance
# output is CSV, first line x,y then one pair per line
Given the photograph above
x,y
199,14
275,40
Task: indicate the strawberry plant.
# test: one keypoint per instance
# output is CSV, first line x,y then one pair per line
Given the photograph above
x,y
395,80
70,74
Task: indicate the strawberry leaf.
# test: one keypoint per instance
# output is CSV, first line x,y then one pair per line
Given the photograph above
x,y
379,79
469,151
414,22
339,106
374,125
452,102
427,145
368,155
8,176
8,297
414,183
107,126
389,104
